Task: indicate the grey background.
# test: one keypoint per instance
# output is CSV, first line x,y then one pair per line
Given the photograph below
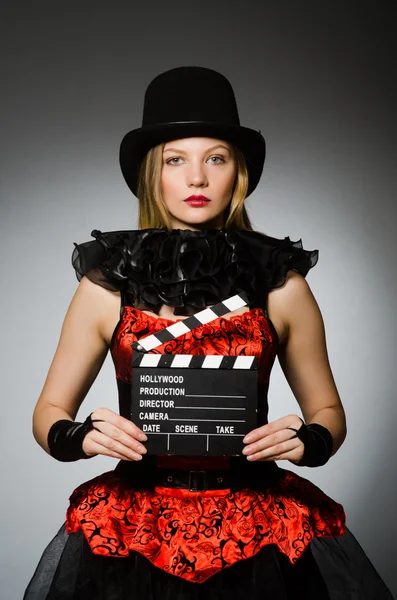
x,y
318,79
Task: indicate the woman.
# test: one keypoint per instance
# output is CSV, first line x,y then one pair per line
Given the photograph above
x,y
175,525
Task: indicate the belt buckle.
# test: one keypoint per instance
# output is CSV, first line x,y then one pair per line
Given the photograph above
x,y
197,481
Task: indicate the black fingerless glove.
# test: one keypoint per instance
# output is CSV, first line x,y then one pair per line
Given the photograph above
x,y
318,444
65,439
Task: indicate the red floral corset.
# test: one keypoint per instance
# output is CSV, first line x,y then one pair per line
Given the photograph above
x,y
249,333
196,534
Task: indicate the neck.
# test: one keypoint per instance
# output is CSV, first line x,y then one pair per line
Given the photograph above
x,y
213,224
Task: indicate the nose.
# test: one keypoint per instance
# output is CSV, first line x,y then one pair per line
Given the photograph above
x,y
196,176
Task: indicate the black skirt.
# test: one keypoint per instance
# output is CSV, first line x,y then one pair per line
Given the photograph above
x,y
329,569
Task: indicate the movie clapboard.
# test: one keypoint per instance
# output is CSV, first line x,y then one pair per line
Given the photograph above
x,y
193,404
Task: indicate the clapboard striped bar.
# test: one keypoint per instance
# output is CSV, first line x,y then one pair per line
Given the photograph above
x,y
194,361
181,327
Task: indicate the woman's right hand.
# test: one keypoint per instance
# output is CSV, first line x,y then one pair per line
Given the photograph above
x,y
114,436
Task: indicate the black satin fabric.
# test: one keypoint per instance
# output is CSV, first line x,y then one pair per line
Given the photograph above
x,y
330,569
189,270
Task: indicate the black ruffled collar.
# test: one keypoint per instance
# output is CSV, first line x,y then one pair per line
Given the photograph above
x,y
189,270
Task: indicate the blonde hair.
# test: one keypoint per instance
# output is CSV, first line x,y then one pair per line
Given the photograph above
x,y
152,210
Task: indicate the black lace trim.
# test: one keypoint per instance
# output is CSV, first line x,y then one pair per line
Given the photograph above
x,y
189,270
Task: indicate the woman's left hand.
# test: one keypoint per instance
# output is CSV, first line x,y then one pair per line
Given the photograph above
x,y
275,441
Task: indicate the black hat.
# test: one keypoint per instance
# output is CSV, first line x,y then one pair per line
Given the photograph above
x,y
188,102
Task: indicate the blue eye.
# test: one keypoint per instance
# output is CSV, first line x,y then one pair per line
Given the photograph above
x,y
169,161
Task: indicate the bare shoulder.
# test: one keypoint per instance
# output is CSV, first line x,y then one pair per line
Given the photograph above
x,y
303,354
97,305
303,326
290,303
81,349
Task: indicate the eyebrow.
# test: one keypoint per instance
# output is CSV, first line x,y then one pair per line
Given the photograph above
x,y
208,149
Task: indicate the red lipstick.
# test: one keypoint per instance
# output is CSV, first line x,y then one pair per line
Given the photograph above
x,y
197,200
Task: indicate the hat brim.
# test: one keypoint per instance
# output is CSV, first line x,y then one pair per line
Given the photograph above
x,y
137,143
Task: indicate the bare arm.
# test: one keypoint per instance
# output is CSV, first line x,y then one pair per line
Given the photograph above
x,y
304,360
78,359
305,363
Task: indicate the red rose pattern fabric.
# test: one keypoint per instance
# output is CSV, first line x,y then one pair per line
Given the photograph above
x,y
245,334
196,534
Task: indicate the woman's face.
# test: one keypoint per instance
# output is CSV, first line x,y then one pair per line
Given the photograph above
x,y
197,166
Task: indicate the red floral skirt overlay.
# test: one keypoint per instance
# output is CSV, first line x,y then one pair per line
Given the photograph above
x,y
196,534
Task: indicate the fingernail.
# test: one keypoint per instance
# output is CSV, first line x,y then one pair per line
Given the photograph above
x,y
247,439
141,449
142,437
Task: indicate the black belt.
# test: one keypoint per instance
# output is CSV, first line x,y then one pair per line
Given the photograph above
x,y
242,474
195,481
